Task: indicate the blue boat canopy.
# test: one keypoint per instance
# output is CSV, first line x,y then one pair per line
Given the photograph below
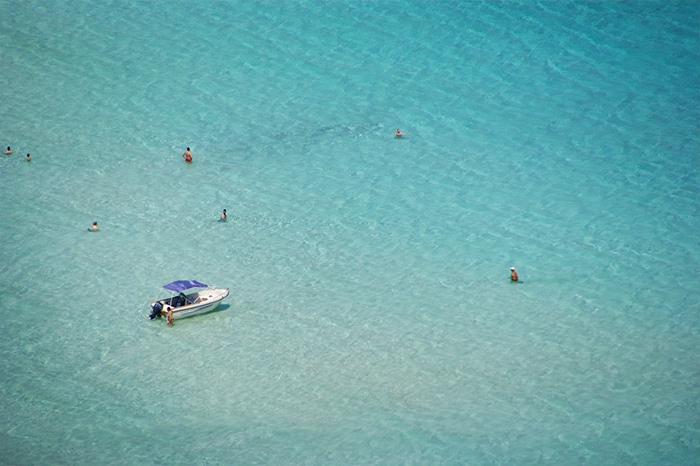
x,y
182,285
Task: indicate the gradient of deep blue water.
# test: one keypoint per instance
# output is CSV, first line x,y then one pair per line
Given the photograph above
x,y
371,320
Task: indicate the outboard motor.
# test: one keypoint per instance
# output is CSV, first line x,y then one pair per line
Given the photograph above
x,y
156,310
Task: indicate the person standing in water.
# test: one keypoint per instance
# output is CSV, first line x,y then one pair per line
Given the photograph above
x,y
513,275
223,216
8,151
187,155
29,158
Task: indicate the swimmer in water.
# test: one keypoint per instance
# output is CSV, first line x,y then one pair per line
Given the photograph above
x,y
8,151
513,275
398,133
94,227
29,158
187,155
223,216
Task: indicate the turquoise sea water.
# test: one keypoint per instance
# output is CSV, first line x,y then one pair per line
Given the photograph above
x,y
371,319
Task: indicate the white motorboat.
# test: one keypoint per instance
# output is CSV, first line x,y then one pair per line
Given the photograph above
x,y
185,302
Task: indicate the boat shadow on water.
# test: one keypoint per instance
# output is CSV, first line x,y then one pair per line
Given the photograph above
x,y
220,307
212,313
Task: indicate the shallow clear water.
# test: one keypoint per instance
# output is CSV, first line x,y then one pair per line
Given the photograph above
x,y
371,319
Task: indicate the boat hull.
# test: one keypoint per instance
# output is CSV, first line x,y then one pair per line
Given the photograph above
x,y
198,303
